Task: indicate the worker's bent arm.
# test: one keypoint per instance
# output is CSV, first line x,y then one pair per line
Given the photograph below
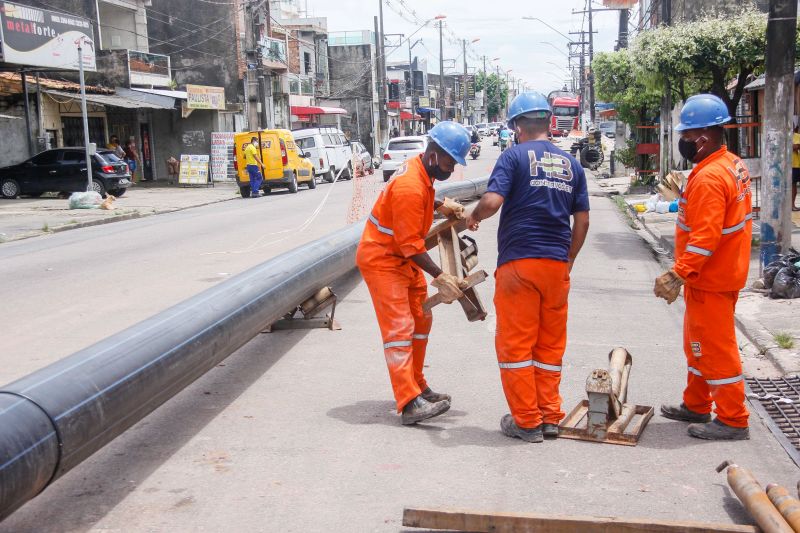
x,y
489,205
427,264
580,227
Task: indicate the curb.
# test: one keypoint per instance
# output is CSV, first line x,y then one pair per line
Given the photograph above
x,y
784,360
111,219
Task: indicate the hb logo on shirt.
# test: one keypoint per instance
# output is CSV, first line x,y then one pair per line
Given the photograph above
x,y
553,165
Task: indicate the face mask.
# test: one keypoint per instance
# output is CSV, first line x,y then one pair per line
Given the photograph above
x,y
435,172
688,149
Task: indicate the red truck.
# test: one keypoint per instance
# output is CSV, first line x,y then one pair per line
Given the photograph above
x,y
566,109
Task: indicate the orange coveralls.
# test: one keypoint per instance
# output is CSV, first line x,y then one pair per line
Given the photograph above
x,y
712,245
395,231
531,303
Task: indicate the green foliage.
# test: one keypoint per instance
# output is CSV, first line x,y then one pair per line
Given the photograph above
x,y
617,80
703,56
496,91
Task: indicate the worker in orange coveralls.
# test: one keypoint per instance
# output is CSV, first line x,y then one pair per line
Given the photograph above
x,y
712,256
541,189
392,256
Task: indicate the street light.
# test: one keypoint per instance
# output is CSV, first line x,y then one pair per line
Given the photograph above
x,y
440,18
411,84
548,25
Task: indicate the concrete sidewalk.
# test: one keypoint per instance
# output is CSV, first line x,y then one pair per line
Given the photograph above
x,y
30,217
759,317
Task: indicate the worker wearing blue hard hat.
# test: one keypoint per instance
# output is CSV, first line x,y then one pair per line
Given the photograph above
x,y
545,219
392,258
712,258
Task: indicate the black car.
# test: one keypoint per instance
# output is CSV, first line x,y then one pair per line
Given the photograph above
x,y
63,170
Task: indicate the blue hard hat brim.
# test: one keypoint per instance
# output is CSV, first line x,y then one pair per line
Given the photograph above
x,y
461,160
683,126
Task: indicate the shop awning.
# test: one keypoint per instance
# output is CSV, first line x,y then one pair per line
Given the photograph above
x,y
301,111
113,100
405,115
427,110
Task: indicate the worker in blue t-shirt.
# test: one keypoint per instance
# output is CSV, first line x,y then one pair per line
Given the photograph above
x,y
540,188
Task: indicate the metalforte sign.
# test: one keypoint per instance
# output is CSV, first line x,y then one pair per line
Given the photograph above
x,y
42,38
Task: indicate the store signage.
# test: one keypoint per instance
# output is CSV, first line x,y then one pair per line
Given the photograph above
x,y
205,97
194,170
149,69
41,38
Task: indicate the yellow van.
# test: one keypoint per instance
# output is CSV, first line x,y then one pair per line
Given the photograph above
x,y
284,165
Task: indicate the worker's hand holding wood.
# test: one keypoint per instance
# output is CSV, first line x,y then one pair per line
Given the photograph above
x,y
451,208
668,286
449,287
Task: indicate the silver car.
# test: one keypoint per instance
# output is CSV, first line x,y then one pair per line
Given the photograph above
x,y
401,149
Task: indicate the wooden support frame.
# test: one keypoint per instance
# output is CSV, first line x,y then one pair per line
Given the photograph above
x,y
463,520
444,236
625,430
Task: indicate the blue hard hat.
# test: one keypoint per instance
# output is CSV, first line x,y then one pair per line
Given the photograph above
x,y
453,139
703,111
527,103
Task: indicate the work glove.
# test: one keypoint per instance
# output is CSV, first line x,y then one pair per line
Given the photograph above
x,y
449,287
668,286
451,208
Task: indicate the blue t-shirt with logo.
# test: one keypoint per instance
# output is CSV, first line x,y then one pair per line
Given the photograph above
x,y
542,187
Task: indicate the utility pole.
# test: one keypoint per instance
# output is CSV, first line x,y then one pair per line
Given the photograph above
x,y
591,58
776,211
464,84
84,114
666,104
380,49
485,91
499,94
411,88
622,36
441,74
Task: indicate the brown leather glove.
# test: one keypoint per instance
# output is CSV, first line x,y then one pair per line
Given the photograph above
x,y
448,286
668,286
451,208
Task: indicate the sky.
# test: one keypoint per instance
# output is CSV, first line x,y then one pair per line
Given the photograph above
x,y
499,25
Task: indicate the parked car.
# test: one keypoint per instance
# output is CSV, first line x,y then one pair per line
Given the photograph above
x,y
64,170
609,129
363,154
399,150
284,165
329,149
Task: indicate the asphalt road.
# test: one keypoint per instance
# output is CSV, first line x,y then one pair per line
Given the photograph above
x,y
296,431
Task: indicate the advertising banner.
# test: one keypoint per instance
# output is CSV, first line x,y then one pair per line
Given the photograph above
x,y
42,38
222,156
149,69
205,97
194,170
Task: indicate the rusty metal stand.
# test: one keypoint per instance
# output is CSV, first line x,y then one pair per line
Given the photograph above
x,y
605,417
304,316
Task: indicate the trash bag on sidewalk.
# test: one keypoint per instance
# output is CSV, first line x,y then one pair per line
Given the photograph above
x,y
85,200
772,269
787,283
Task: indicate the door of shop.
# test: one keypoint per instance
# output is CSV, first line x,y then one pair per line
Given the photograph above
x,y
73,131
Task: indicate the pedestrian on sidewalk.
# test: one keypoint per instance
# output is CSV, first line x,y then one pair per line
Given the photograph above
x,y
712,257
254,165
795,166
540,188
392,257
132,156
113,144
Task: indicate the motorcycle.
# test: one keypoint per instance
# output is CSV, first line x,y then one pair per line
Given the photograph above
x,y
503,144
475,151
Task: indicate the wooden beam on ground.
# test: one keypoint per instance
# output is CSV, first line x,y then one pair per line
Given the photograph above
x,y
461,520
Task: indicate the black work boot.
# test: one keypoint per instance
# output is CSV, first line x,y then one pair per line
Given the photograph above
x,y
510,429
682,413
420,409
550,431
717,430
433,397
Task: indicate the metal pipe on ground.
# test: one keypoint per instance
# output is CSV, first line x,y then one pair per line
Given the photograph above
x,y
754,499
56,417
786,504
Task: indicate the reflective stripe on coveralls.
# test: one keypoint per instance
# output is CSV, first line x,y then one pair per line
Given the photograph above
x,y
699,251
537,364
723,381
396,344
382,229
739,226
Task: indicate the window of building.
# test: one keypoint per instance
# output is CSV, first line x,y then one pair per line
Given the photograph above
x,y
307,62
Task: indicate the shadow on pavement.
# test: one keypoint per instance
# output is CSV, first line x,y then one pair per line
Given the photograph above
x,y
668,435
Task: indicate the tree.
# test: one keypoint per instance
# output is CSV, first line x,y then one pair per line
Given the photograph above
x,y
496,92
617,80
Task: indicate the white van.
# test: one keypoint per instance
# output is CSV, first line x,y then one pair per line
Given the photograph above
x,y
329,150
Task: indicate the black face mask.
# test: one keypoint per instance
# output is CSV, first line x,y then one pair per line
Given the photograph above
x,y
688,149
435,172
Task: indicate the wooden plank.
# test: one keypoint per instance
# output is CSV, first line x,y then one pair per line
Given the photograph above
x,y
472,280
463,520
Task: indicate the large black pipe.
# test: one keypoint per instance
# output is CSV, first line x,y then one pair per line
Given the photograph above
x,y
53,419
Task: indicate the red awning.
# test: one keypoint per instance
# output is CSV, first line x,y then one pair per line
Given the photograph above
x,y
405,115
304,111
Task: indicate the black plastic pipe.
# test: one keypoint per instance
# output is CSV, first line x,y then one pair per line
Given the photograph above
x,y
55,418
